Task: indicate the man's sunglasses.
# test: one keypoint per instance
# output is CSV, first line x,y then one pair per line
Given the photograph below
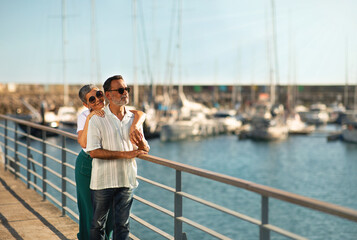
x,y
121,90
98,94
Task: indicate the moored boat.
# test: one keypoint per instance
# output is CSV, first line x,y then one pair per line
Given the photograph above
x,y
268,123
297,126
317,115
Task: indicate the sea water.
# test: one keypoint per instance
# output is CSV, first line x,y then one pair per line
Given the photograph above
x,y
306,165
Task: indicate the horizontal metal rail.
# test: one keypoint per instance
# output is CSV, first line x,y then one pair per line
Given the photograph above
x,y
153,228
307,202
12,163
153,205
220,208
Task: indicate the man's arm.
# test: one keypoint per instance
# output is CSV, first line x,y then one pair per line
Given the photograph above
x,y
107,154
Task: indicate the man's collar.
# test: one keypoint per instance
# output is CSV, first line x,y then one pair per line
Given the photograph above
x,y
109,112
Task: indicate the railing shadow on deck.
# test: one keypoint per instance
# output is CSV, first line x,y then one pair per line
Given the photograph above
x,y
23,164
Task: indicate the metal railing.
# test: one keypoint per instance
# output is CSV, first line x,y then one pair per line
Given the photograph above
x,y
10,142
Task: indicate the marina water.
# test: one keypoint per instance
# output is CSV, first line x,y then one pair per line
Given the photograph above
x,y
306,165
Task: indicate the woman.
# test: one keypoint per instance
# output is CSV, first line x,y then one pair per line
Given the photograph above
x,y
93,99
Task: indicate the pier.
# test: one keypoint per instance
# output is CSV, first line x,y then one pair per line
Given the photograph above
x,y
25,215
29,161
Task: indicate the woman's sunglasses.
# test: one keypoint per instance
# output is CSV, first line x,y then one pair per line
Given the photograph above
x,y
121,90
98,94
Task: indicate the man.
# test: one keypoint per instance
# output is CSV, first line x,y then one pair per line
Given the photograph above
x,y
114,167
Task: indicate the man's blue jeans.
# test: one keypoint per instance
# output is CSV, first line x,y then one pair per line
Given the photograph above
x,y
121,200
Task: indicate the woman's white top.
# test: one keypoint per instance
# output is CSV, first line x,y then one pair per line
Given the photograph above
x,y
81,121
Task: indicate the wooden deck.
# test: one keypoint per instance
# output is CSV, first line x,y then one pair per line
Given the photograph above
x,y
24,215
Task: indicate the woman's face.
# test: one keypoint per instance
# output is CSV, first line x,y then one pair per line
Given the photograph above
x,y
95,99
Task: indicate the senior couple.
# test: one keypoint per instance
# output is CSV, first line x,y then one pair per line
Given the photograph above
x,y
111,137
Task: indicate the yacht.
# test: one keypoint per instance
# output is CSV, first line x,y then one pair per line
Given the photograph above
x,y
43,117
191,121
227,121
317,115
349,129
268,123
337,112
349,132
297,126
67,116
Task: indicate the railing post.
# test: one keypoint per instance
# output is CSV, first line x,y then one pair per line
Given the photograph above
x,y
44,164
5,148
178,207
63,175
265,233
28,155
16,165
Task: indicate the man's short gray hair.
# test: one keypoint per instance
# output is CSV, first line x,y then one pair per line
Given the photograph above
x,y
84,91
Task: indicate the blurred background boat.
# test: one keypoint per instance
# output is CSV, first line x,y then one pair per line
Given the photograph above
x,y
297,126
227,121
349,128
317,114
268,123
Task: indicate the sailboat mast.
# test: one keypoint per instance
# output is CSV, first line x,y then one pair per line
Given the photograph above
x,y
346,76
289,97
168,87
236,89
155,56
136,87
269,63
179,36
65,84
95,64
275,48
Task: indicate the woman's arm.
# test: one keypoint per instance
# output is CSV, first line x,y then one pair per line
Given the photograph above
x,y
82,135
135,133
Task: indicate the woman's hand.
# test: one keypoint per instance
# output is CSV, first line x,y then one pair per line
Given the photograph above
x,y
135,135
99,113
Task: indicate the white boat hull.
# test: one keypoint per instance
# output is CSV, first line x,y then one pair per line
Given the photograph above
x,y
181,130
349,135
270,133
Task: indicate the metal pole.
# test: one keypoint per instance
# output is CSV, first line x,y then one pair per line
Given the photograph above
x,y
5,148
44,164
15,165
265,233
178,207
63,175
28,155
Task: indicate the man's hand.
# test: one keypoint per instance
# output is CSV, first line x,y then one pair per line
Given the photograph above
x,y
135,153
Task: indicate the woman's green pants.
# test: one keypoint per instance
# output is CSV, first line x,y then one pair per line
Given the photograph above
x,y
83,172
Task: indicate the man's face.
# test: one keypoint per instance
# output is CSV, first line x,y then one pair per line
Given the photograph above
x,y
114,96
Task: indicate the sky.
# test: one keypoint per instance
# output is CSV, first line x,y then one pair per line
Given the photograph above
x,y
195,42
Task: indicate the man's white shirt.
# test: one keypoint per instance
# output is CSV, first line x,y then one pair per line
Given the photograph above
x,y
109,133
